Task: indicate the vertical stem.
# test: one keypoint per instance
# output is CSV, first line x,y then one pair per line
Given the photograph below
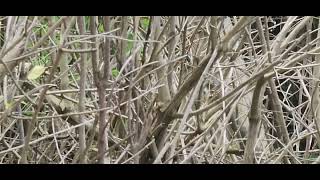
x,y
106,68
183,52
82,84
123,44
171,52
254,120
101,93
164,96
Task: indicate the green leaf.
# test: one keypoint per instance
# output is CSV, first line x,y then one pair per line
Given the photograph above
x,y
36,72
130,43
100,28
27,113
113,50
145,23
8,105
115,72
42,60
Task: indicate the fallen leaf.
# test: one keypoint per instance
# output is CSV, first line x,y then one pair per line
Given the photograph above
x,y
36,72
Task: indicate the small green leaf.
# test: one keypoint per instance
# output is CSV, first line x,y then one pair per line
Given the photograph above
x,y
27,113
8,105
130,43
115,72
36,72
145,23
100,28
113,50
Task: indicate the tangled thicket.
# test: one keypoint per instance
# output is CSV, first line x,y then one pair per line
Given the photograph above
x,y
159,89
